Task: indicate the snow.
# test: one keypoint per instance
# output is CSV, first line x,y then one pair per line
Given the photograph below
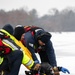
x,y
64,45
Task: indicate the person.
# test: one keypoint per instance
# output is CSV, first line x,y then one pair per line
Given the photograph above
x,y
8,56
39,42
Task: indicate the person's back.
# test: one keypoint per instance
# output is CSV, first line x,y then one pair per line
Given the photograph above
x,y
30,40
10,54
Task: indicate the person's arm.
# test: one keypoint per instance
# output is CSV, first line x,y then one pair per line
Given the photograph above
x,y
29,42
29,63
51,54
63,69
32,50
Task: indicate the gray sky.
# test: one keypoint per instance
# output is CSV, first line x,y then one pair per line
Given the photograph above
x,y
42,6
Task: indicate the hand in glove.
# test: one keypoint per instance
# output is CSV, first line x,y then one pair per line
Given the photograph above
x,y
36,66
64,70
56,71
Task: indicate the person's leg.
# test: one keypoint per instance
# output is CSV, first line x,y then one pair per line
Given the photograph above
x,y
51,54
4,67
15,59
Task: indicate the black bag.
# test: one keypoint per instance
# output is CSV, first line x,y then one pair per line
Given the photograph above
x,y
45,69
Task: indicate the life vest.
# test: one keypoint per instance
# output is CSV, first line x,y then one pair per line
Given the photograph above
x,y
19,43
6,39
27,60
4,49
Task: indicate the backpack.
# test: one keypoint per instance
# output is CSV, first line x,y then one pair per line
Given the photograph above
x,y
3,48
31,28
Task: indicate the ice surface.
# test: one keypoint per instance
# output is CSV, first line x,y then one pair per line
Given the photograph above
x,y
64,45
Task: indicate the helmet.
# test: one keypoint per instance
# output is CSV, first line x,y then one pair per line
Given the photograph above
x,y
44,37
18,31
8,28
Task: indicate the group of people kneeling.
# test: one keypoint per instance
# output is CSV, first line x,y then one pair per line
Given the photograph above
x,y
18,46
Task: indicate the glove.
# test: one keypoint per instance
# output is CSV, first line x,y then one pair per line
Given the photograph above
x,y
56,71
64,70
36,66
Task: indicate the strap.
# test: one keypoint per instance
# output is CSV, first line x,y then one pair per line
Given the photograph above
x,y
1,60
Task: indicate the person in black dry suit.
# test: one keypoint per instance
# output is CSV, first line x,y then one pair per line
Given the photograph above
x,y
39,41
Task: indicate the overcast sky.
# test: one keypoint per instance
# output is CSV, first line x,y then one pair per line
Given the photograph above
x,y
42,6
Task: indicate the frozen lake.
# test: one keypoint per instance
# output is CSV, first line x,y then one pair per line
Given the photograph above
x,y
64,45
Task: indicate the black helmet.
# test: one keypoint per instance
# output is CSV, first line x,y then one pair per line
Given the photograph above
x,y
44,36
18,31
8,28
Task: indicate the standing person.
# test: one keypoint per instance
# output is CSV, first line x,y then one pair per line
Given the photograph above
x,y
40,42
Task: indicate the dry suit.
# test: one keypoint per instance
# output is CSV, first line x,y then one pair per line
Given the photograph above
x,y
10,60
46,52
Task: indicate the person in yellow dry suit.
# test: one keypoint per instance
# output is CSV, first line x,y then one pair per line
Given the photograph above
x,y
9,54
20,54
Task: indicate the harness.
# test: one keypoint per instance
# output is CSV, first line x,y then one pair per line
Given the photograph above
x,y
32,29
4,49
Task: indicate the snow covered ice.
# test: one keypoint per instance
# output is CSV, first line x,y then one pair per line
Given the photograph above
x,y
64,45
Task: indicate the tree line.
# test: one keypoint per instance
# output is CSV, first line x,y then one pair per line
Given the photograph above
x,y
63,21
